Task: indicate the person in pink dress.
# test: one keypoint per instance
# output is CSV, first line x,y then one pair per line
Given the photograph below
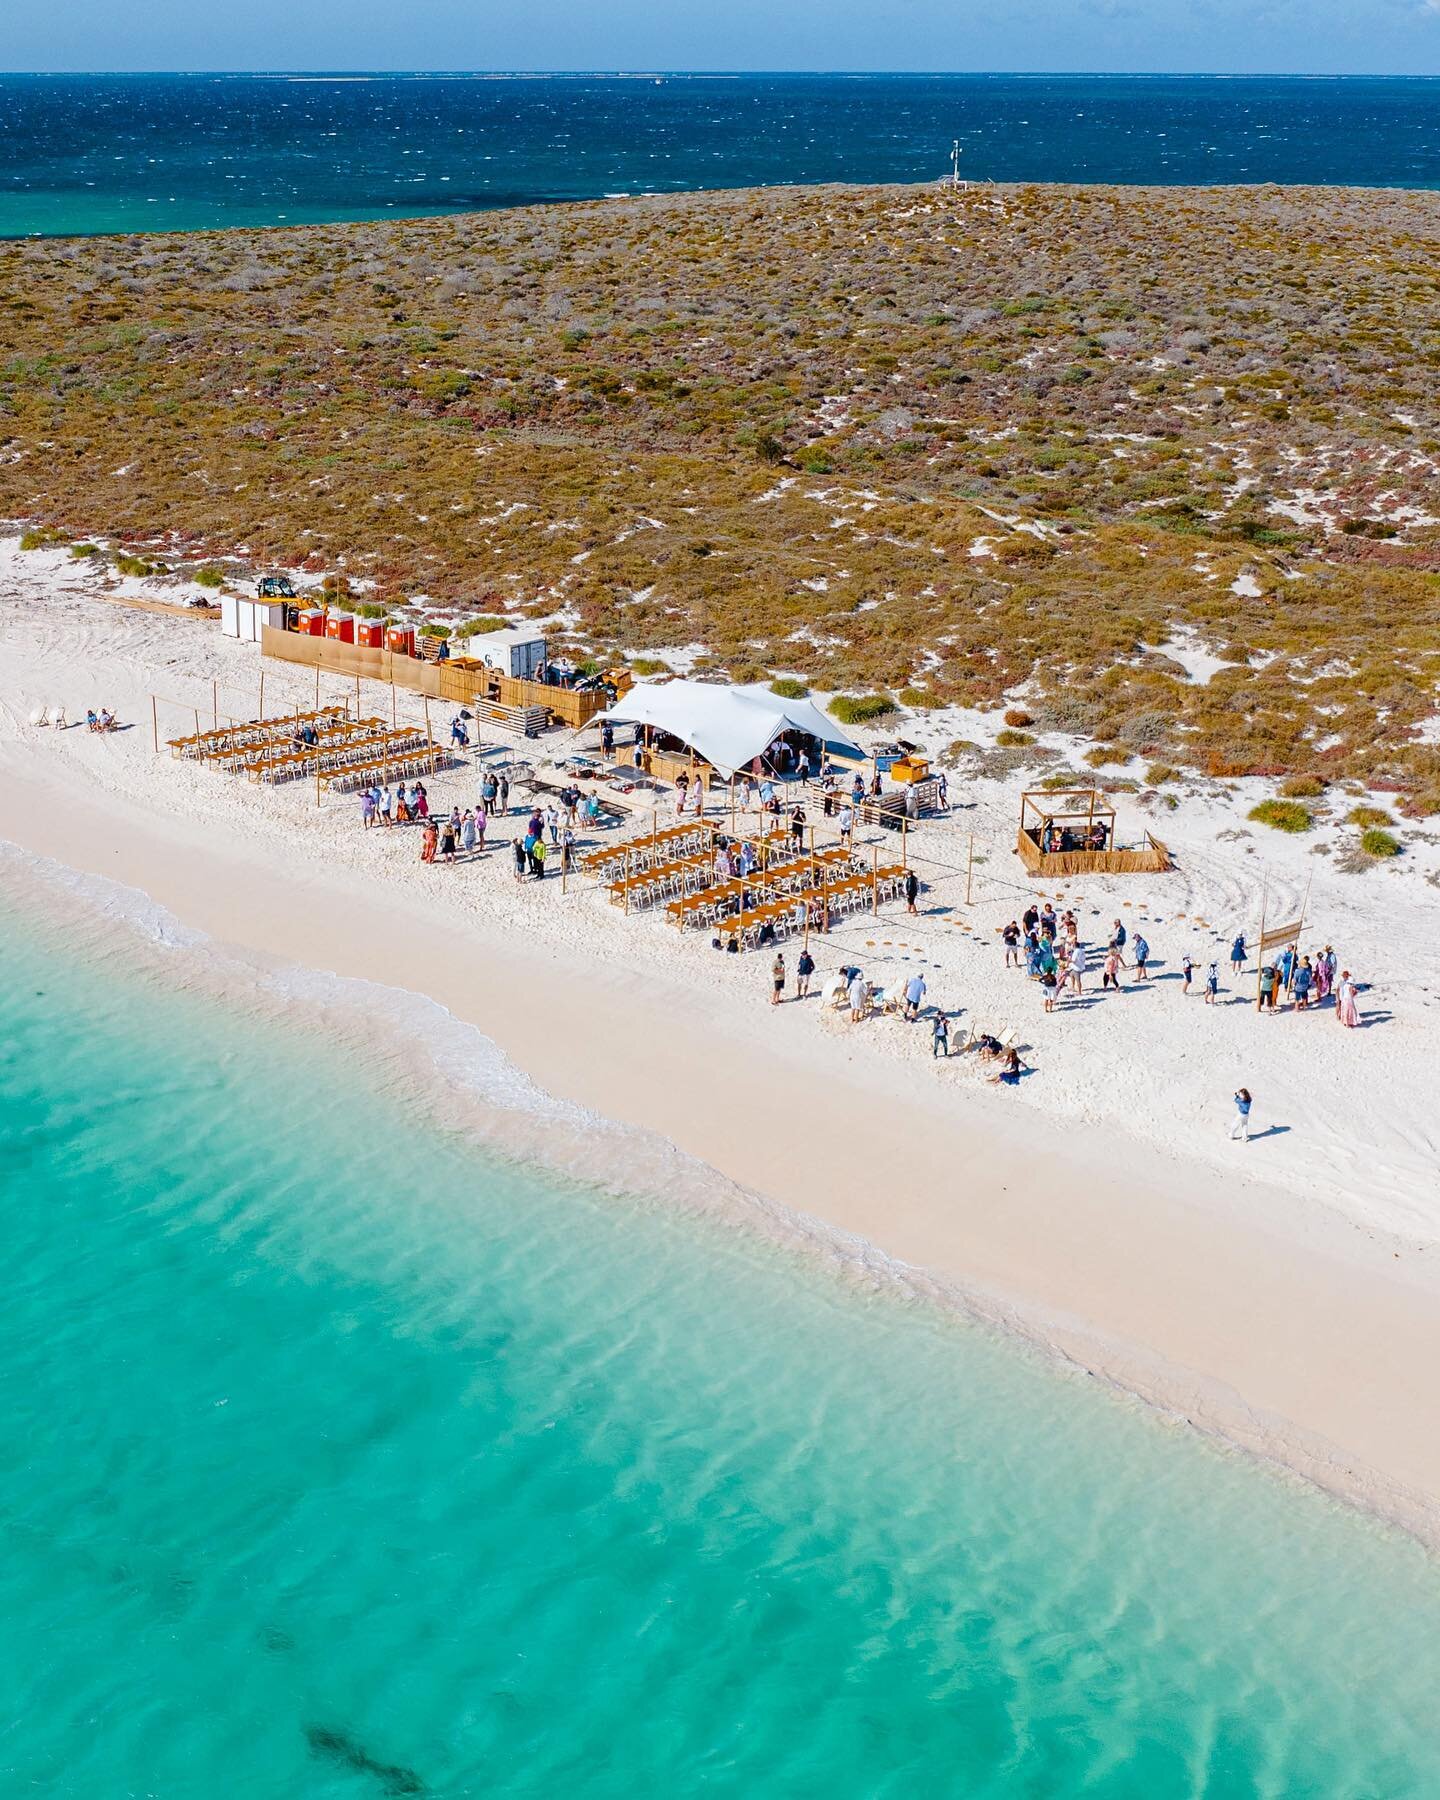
x,y
1346,1010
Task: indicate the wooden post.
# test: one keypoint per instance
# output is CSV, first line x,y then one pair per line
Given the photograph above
x,y
262,690
654,827
155,723
904,852
197,721
392,705
627,880
215,705
875,881
357,694
317,687
969,866
317,780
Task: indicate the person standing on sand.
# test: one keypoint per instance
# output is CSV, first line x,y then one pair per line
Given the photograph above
x,y
1114,963
502,793
447,840
914,996
857,998
777,980
1075,973
912,890
1304,979
1010,937
1118,936
1050,986
804,969
517,846
940,1035
1268,988
1241,1128
1237,955
1187,969
1346,995
1212,983
429,841
847,825
367,808
1142,957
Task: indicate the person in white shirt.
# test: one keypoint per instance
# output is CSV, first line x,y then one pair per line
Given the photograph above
x,y
857,998
914,996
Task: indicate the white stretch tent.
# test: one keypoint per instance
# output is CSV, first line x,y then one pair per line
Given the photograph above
x,y
727,726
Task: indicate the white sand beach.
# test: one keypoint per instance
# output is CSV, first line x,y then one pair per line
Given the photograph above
x,y
1281,1294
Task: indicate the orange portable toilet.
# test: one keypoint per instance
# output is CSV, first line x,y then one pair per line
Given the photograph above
x,y
341,627
369,634
400,640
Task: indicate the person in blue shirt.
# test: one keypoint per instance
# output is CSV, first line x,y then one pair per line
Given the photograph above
x,y
1141,953
1237,954
1287,968
1241,1128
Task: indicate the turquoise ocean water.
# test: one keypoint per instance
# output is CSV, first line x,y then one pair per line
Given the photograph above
x,y
103,153
343,1457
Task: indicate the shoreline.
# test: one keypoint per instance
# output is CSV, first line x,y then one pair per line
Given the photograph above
x,y
1217,1300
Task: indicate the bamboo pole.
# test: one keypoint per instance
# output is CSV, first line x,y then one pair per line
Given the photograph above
x,y
155,723
392,704
875,881
969,867
262,690
197,721
627,881
904,833
317,687
215,705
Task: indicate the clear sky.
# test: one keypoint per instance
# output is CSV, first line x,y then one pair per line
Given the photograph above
x,y
1235,36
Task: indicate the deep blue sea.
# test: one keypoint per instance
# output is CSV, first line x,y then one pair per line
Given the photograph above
x,y
344,1456
178,152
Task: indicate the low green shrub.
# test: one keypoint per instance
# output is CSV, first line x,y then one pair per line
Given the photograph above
x,y
133,565
210,576
859,709
40,537
1013,740
431,630
921,699
786,687
1104,755
1159,773
81,551
1282,815
649,665
1377,843
478,627
1368,815
1302,787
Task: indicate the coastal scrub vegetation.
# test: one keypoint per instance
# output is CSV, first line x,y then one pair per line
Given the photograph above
x,y
899,441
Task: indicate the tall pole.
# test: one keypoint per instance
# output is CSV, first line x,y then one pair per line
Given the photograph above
x,y
904,832
215,705
262,690
969,867
627,880
392,704
1260,947
875,881
317,684
155,723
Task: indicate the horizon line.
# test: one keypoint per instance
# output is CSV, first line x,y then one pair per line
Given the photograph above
x,y
641,73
